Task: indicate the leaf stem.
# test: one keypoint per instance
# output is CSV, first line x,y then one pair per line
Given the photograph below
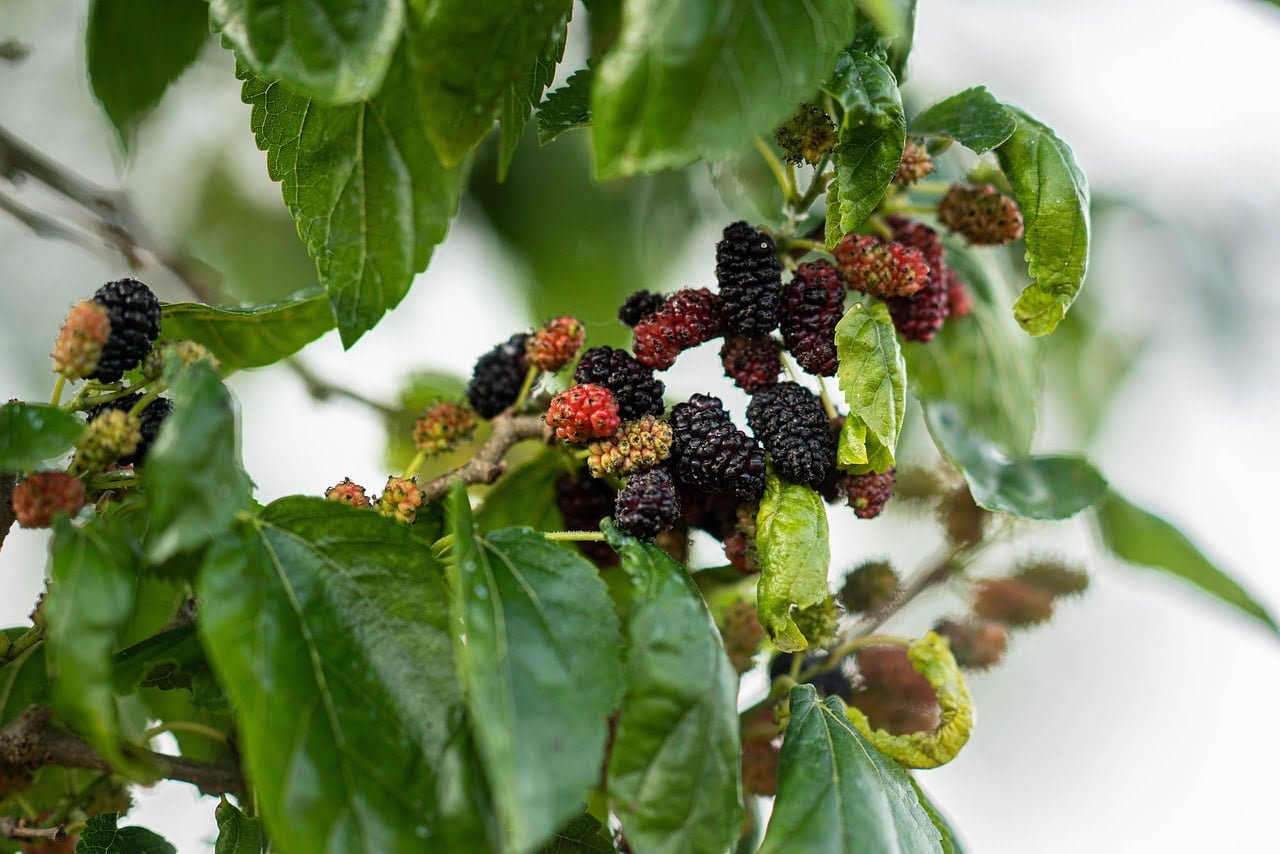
x,y
776,167
321,389
414,464
575,536
527,386
184,726
830,407
880,227
58,386
79,402
25,641
932,188
147,399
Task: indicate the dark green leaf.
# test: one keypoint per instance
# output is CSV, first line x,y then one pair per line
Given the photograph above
x,y
698,78
329,628
950,839
584,834
467,54
791,538
1039,487
674,773
24,680
135,49
1054,197
983,364
873,377
894,22
837,793
537,645
175,652
1142,538
237,832
366,189
869,145
193,474
524,94
89,602
249,337
335,50
31,433
973,118
101,836
566,108
526,496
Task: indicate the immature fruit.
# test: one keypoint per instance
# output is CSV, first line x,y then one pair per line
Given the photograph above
x,y
686,319
808,136
1013,602
959,300
1055,577
818,623
869,588
134,312
710,453
400,499
638,445
917,484
442,425
638,306
919,316
892,694
962,518
584,503
498,377
750,277
186,352
583,413
633,385
790,421
554,345
751,361
975,644
915,164
869,264
110,436
980,212
647,504
760,767
868,493
81,340
740,544
347,491
151,419
43,495
742,634
812,305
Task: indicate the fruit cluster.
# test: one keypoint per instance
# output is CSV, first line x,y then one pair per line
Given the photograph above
x,y
109,342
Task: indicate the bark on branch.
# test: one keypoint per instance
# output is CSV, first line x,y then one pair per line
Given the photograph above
x,y
488,463
30,740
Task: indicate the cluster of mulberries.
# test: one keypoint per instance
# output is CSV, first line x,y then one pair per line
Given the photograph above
x,y
634,386
400,500
919,316
133,314
150,419
791,422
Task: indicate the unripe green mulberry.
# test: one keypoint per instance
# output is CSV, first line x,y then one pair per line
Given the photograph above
x,y
1055,577
400,499
347,492
108,437
186,352
869,587
1012,601
808,136
638,445
819,623
442,425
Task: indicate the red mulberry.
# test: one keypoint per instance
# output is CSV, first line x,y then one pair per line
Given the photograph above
x,y
554,345
869,587
881,269
750,277
583,504
812,305
919,317
808,136
347,491
753,362
976,644
915,164
583,413
1012,601
80,342
687,319
868,493
980,212
45,494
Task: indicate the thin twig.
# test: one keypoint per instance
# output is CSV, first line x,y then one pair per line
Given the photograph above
x,y
30,740
488,463
321,389
16,828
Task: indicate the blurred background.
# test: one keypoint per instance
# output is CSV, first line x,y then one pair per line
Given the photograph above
x,y
1136,720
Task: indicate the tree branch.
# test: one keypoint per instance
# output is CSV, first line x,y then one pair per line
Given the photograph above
x,y
30,740
16,828
8,480
488,463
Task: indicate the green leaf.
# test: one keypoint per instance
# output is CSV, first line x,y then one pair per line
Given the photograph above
x,y
31,433
894,22
237,832
950,839
584,834
973,118
674,773
101,836
334,50
837,793
23,681
566,108
537,646
983,364
329,628
193,474
526,496
1142,538
135,48
89,602
369,196
869,143
524,94
691,79
873,377
1038,487
250,337
791,538
1054,197
467,54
